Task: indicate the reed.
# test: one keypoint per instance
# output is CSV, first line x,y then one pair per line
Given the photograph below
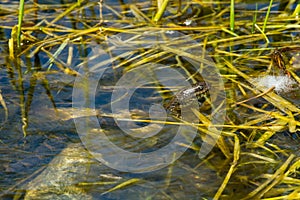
x,y
257,154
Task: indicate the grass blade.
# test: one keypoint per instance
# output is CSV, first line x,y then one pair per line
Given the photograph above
x,y
232,15
20,19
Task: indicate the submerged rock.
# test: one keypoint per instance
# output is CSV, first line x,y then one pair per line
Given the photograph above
x,y
64,175
74,174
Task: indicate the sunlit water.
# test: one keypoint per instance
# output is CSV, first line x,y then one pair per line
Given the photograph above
x,y
49,132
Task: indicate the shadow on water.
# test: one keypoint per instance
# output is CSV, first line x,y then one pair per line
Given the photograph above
x,y
42,156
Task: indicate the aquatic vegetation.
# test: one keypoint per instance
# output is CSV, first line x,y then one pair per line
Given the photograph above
x,y
254,46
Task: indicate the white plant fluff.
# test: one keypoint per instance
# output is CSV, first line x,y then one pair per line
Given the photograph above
x,y
281,83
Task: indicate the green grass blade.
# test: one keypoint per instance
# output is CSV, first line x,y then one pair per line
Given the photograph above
x,y
297,10
20,19
160,11
254,18
232,15
267,16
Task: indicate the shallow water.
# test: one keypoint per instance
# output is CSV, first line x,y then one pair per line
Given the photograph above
x,y
26,159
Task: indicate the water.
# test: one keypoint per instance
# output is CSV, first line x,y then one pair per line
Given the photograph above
x,y
41,91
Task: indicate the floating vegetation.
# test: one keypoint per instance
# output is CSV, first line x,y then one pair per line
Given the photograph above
x,y
255,47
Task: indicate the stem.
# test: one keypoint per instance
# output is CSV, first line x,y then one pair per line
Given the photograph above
x,y
267,16
20,19
232,15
